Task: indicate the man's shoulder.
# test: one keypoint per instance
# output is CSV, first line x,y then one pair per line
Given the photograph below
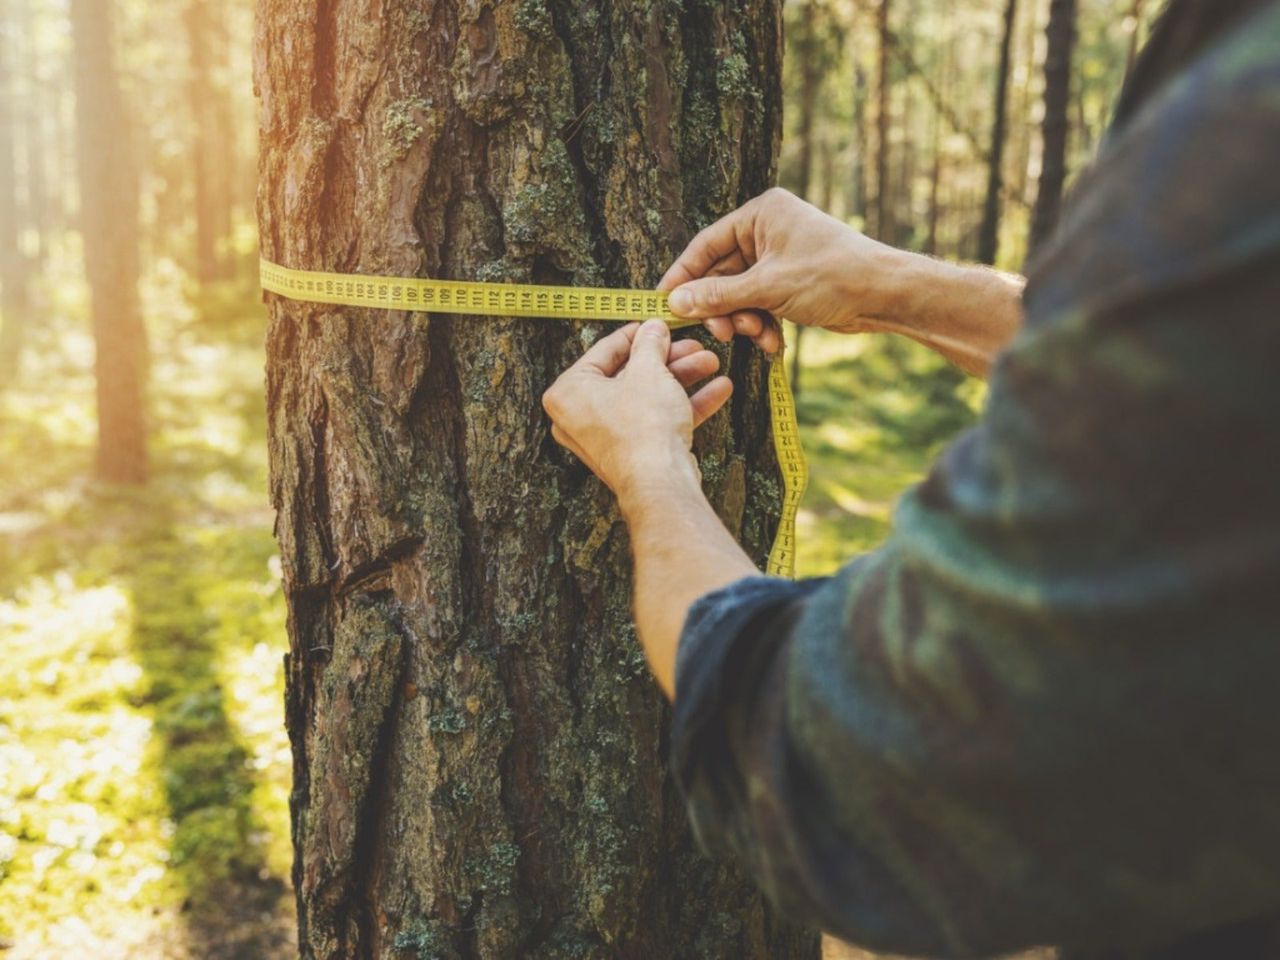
x,y
1187,189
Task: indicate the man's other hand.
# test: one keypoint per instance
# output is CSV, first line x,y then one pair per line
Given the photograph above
x,y
624,410
779,256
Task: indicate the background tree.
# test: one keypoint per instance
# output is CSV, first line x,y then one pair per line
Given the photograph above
x,y
109,223
989,234
205,161
478,749
816,39
882,227
13,269
1061,35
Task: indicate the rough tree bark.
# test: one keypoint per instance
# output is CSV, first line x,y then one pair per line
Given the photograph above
x,y
478,749
109,225
989,233
1061,35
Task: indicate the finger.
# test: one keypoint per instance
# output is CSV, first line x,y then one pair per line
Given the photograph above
x,y
711,245
652,344
681,349
721,328
608,354
718,296
707,401
689,370
770,339
748,323
735,262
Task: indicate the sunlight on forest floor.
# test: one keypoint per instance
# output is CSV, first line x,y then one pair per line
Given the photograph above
x,y
143,764
144,767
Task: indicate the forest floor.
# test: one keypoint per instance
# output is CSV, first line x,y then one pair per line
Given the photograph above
x,y
144,768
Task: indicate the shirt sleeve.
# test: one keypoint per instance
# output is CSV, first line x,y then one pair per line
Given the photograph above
x,y
1045,711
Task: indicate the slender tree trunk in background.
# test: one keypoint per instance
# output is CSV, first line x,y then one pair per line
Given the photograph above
x,y
883,227
227,156
935,174
479,752
810,82
36,140
13,269
1021,158
1061,34
1135,17
109,225
205,137
826,177
904,211
860,141
935,188
989,234
1085,143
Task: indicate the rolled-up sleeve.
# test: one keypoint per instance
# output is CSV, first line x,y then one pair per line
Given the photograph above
x,y
1045,711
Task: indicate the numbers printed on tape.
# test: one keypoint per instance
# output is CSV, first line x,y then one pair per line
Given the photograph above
x,y
567,303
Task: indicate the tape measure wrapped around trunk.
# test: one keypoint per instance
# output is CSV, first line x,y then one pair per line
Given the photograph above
x,y
564,303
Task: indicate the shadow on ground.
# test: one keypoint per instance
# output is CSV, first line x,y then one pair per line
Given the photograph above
x,y
143,765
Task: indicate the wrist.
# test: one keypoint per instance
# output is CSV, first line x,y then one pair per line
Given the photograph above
x,y
906,285
657,475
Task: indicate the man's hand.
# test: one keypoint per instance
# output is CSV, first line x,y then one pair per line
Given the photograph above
x,y
779,255
623,408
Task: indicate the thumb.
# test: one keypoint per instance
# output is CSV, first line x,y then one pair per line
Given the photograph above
x,y
716,296
652,343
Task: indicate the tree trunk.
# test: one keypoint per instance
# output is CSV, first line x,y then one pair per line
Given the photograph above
x,y
1131,56
945,80
227,157
810,82
860,138
13,272
109,225
935,190
989,234
883,228
1061,34
200,94
478,748
36,140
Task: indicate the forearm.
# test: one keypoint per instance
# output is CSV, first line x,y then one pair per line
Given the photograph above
x,y
966,313
682,552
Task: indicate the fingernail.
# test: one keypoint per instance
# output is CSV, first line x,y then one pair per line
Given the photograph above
x,y
653,326
680,301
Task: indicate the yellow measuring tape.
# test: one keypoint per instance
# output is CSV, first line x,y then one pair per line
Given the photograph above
x,y
568,303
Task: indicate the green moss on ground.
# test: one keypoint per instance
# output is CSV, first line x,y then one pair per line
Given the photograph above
x,y
874,413
143,765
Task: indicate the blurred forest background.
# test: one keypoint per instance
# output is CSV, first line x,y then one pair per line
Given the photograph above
x,y
144,768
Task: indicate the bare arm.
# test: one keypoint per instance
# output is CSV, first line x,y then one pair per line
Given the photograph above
x,y
682,552
966,313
